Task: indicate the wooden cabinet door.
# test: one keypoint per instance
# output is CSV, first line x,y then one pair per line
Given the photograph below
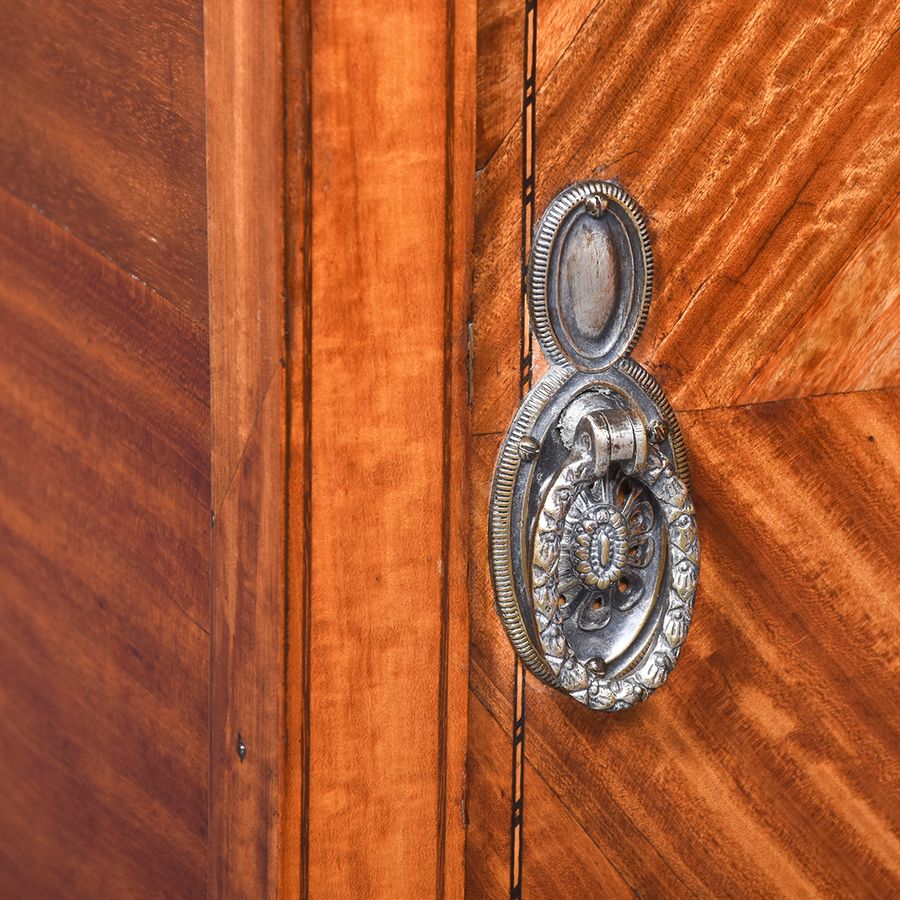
x,y
142,450
761,141
262,329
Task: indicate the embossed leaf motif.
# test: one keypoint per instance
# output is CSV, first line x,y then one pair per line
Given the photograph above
x,y
684,575
544,601
553,640
600,696
548,544
604,529
572,675
676,622
684,536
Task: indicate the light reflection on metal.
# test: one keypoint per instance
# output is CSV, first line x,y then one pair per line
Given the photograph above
x,y
593,542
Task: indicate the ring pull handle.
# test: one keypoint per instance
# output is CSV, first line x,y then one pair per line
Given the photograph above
x,y
594,550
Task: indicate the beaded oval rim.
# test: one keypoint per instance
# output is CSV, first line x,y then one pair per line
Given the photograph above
x,y
543,266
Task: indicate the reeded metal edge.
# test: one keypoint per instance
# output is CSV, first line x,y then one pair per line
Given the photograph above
x,y
539,261
505,474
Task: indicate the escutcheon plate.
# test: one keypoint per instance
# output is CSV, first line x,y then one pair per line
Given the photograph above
x,y
593,542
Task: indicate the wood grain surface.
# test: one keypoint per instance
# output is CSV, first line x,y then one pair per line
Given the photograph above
x,y
388,667
297,61
560,855
251,835
499,63
104,567
761,142
848,334
315,730
235,556
380,321
102,129
768,766
104,451
245,144
249,839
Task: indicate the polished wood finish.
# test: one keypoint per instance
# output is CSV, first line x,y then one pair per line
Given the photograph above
x,y
379,329
105,447
297,56
250,840
251,837
285,440
102,129
560,855
769,766
761,143
104,562
759,139
499,63
847,338
235,549
143,427
245,183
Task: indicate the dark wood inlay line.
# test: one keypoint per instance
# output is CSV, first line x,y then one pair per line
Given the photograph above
x,y
529,110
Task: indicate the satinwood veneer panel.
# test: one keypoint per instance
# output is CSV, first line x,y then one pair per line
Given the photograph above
x,y
102,129
850,335
378,350
760,139
768,765
253,835
104,575
500,44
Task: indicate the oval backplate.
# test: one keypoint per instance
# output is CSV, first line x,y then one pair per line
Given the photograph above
x,y
590,276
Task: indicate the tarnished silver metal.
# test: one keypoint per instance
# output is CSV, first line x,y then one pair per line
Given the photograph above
x,y
593,542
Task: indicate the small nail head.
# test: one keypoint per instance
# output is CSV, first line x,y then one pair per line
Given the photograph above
x,y
596,205
596,666
528,447
658,430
